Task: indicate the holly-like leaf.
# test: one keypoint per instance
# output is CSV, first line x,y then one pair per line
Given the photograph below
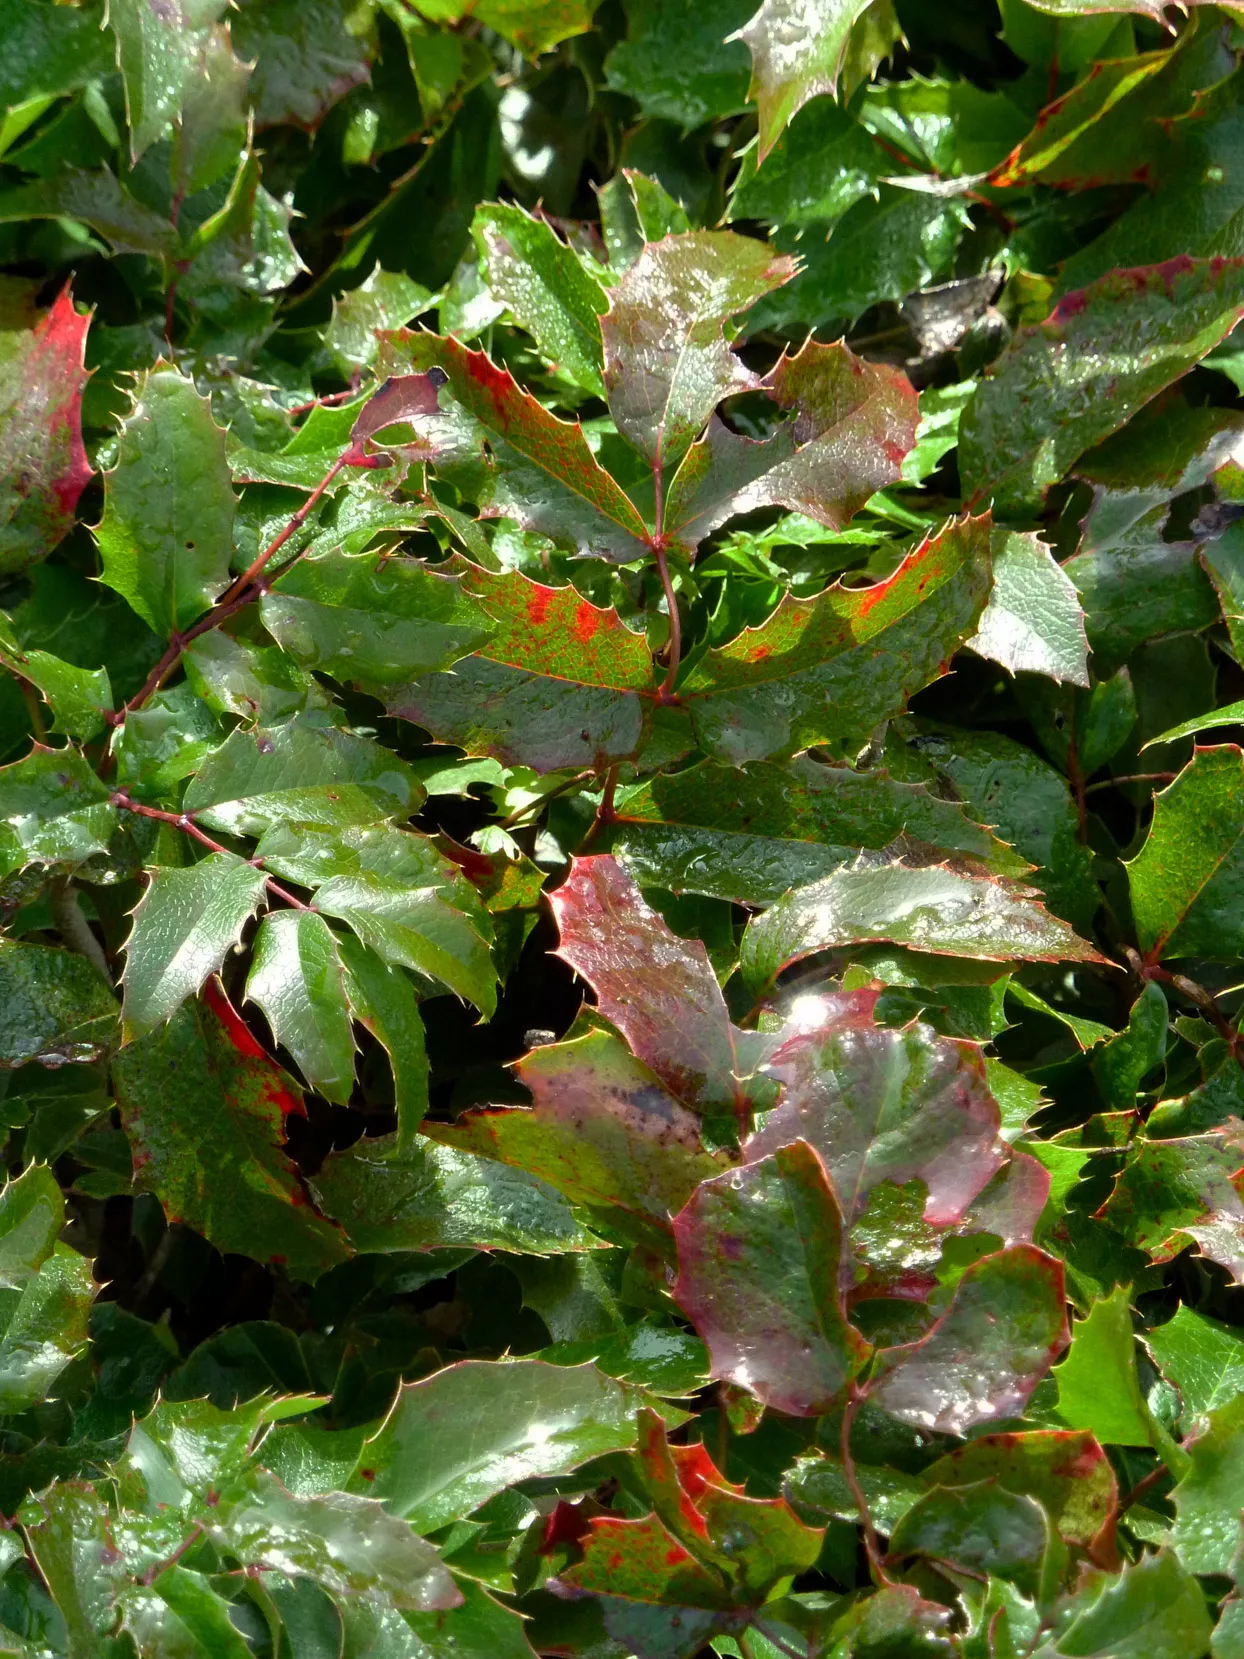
x,y
675,1018
1105,351
667,364
561,682
166,537
1033,622
44,1326
1068,1474
678,63
371,623
760,1257
601,1129
984,1529
1154,1609
53,811
940,909
1207,1511
204,1108
97,199
306,57
382,998
77,697
1202,1357
431,1197
298,979
982,1359
1173,1191
184,925
1186,879
546,289
42,459
829,669
54,1007
454,1439
798,49
158,51
752,833
1098,1387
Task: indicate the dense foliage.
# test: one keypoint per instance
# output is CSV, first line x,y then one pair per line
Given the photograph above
x,y
621,854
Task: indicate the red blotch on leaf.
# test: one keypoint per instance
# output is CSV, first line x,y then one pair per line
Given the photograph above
x,y
566,1525
242,1038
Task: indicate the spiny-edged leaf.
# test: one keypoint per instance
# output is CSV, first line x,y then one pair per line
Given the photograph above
x,y
383,999
1068,1473
311,854
184,925
985,1529
53,810
1173,1191
823,163
1207,1507
1003,1330
305,770
97,199
759,1264
347,1544
667,364
601,1129
546,289
79,698
205,1108
54,1007
166,536
43,1325
430,1197
1154,1609
457,1437
852,424
1120,1064
798,48
42,460
830,668
1187,879
1094,8
1065,384
298,979
1098,1388
403,398
749,834
480,1629
158,48
385,299
659,990
561,682
542,472
636,209
677,63
371,622
1202,1357
642,1561
306,57
1033,622
32,1213
212,129
943,909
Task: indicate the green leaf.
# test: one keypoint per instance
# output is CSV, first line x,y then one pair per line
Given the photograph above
x,y
1207,1510
305,771
560,683
298,979
823,163
53,811
759,1264
460,1436
1154,1609
96,199
675,1020
158,51
306,56
43,1325
601,1129
983,1529
54,1007
1033,622
545,288
184,926
77,697
1098,1389
1005,1326
1185,881
941,909
1230,714
1202,1357
205,1108
752,833
166,537
386,299
667,364
429,1197
1064,384
679,61
1068,1474
1121,1064
32,1213
383,999
798,50
829,669
42,459
1173,1191
370,623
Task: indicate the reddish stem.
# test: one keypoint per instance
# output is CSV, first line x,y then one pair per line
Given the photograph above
x,y
186,823
872,1547
674,648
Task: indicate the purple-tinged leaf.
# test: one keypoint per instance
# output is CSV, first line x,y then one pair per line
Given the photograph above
x,y
1065,1470
667,363
560,683
1173,1191
760,1258
659,990
798,51
403,397
205,1111
853,424
1064,384
1005,1327
43,465
601,1129
829,669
